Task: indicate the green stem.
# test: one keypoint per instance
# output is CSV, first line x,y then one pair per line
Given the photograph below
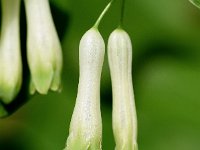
x,y
102,14
122,13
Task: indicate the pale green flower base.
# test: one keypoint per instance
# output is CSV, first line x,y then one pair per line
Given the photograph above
x,y
44,79
195,2
56,83
127,147
41,80
80,143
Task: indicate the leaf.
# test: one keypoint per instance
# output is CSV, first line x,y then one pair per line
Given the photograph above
x,y
196,3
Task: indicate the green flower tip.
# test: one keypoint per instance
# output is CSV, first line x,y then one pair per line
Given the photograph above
x,y
45,78
79,142
131,146
9,91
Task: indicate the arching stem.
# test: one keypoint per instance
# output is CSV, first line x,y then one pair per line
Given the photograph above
x,y
96,25
122,13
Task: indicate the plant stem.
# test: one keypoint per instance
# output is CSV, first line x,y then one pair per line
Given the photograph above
x,y
122,13
96,25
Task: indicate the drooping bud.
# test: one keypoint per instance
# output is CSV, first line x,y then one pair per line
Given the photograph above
x,y
43,48
85,131
10,55
124,111
86,126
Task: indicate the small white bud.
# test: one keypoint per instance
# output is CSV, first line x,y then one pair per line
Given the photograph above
x,y
10,55
124,112
86,125
43,48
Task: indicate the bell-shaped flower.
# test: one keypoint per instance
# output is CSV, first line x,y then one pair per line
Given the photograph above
x,y
86,127
10,55
43,48
124,111
85,131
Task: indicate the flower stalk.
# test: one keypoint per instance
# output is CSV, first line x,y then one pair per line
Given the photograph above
x,y
122,13
96,25
10,55
195,3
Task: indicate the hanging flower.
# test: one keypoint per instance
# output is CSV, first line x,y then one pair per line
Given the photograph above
x,y
85,131
43,48
10,56
86,126
124,112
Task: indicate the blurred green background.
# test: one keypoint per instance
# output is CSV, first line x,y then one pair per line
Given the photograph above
x,y
166,75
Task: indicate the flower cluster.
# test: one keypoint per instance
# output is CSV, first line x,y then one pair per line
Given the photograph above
x,y
44,53
124,112
44,57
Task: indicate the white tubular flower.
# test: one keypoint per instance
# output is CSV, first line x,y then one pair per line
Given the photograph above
x,y
10,55
86,126
124,112
43,48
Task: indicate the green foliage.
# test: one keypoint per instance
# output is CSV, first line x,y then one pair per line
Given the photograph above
x,y
61,4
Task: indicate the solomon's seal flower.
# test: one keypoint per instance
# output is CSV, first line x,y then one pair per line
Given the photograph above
x,y
43,48
10,56
86,127
124,112
85,131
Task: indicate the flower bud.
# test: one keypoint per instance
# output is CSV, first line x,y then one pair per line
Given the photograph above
x,y
124,112
10,55
43,48
86,125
